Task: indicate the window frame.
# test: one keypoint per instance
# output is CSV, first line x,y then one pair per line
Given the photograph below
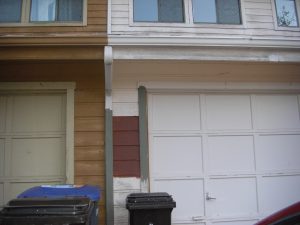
x,y
25,18
157,22
283,28
217,18
188,19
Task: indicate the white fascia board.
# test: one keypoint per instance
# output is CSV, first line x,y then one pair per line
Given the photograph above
x,y
188,53
203,40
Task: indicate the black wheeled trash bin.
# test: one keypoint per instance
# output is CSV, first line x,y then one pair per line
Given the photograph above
x,y
150,208
59,204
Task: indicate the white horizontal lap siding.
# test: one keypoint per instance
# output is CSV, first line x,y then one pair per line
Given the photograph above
x,y
257,18
120,13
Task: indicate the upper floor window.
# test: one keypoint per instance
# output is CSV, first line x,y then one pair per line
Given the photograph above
x,y
10,10
41,11
56,10
158,11
286,13
217,11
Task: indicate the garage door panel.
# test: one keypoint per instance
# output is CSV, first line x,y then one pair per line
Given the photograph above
x,y
277,111
2,157
228,112
239,222
2,113
17,188
278,152
247,149
38,156
189,203
231,154
185,111
235,197
279,192
1,194
25,119
175,149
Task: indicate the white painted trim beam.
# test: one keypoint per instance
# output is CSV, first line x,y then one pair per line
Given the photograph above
x,y
203,40
108,65
159,87
37,86
188,53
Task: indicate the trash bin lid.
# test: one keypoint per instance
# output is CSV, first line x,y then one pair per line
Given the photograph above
x,y
35,211
43,206
154,200
62,191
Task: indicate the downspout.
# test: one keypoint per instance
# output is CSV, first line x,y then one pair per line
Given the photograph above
x,y
108,64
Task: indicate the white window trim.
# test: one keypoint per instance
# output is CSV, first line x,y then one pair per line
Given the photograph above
x,y
274,12
69,89
188,19
25,19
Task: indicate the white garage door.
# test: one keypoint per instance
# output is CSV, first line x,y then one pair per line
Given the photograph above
x,y
32,142
227,159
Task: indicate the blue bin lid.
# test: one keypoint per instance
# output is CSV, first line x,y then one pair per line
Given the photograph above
x,y
62,191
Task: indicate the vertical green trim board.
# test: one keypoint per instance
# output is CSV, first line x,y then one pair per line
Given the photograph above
x,y
143,133
109,167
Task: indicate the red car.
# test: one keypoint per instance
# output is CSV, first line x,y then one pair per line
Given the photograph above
x,y
287,216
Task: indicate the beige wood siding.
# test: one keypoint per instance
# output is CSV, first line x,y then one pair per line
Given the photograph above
x,y
89,111
257,16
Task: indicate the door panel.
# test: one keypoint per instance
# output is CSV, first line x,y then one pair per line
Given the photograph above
x,y
188,194
2,157
277,111
2,113
236,222
174,149
285,190
228,112
18,187
47,114
28,157
185,116
235,197
231,154
1,195
278,152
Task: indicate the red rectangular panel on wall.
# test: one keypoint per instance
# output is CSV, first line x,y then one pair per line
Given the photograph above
x,y
126,146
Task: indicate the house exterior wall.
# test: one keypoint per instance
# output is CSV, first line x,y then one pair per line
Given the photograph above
x,y
258,28
89,111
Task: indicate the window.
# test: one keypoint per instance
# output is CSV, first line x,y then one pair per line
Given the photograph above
x,y
158,11
286,13
217,11
42,11
56,10
10,10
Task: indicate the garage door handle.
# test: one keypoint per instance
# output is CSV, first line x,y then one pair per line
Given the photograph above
x,y
208,198
197,218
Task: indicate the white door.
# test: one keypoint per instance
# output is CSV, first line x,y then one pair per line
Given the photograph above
x,y
32,141
227,159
